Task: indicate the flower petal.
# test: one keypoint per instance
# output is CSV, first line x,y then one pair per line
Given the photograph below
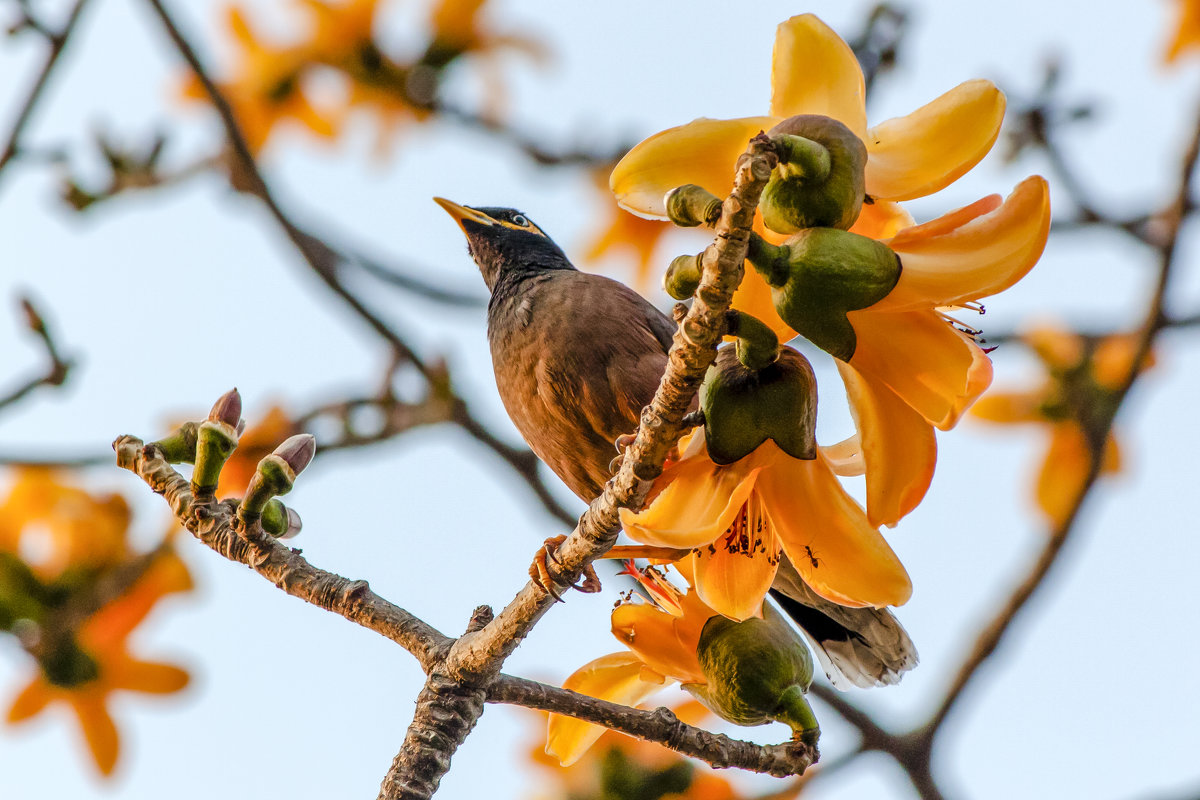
x,y
813,71
697,505
703,152
753,296
652,636
618,677
881,219
984,255
734,573
933,367
145,676
845,458
898,447
1065,467
827,536
932,147
99,731
30,701
1008,407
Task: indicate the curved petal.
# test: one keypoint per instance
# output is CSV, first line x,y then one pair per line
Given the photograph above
x,y
845,458
814,72
618,677
734,573
697,505
933,367
881,219
703,152
984,255
652,636
30,701
898,447
1006,408
937,144
826,534
99,731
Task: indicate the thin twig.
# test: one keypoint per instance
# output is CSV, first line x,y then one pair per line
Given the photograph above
x,y
58,43
56,370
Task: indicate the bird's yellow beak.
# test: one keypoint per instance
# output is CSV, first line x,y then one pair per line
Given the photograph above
x,y
463,213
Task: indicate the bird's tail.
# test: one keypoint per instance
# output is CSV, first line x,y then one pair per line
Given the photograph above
x,y
856,646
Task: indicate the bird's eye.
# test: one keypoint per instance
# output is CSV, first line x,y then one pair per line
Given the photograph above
x,y
519,219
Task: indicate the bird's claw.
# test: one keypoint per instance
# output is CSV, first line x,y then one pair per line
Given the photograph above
x,y
540,572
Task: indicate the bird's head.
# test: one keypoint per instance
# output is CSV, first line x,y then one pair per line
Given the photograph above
x,y
503,240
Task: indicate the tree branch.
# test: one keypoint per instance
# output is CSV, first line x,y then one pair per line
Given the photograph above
x,y
56,371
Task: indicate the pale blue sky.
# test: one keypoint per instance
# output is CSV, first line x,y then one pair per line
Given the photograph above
x,y
1092,695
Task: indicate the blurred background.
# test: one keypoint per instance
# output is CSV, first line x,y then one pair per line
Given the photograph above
x,y
164,286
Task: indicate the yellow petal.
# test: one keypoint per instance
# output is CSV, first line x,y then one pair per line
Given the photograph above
x,y
983,255
845,458
1008,407
697,505
734,573
1113,357
881,219
703,152
932,147
1067,462
825,533
814,72
898,447
618,677
933,367
99,731
652,636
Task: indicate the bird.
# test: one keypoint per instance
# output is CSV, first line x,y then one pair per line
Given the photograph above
x,y
576,357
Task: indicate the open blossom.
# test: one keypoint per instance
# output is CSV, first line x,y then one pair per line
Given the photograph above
x,y
1081,380
738,518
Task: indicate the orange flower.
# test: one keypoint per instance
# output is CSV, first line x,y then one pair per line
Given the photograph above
x,y
103,665
1082,379
737,518
255,444
1187,30
626,232
267,87
52,525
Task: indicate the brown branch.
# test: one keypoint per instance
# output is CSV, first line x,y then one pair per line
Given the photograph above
x,y
215,524
58,43
56,371
660,726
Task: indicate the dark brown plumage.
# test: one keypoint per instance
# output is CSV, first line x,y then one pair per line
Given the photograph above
x,y
577,356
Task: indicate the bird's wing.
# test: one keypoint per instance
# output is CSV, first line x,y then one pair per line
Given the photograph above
x,y
856,646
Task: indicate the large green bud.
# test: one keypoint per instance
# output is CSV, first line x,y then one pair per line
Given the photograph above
x,y
820,274
757,671
820,178
743,407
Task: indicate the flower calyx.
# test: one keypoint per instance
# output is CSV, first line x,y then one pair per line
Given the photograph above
x,y
820,180
757,671
818,275
744,406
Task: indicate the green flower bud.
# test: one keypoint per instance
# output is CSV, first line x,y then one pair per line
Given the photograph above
x,y
180,446
276,474
689,206
820,178
683,277
743,407
820,274
280,521
758,671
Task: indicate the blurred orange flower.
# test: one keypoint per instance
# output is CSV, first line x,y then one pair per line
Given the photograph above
x,y
101,663
622,231
1082,378
1187,30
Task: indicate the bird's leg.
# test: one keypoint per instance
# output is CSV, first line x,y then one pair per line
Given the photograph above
x,y
622,443
540,571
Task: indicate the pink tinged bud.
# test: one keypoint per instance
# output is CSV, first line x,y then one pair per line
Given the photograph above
x,y
228,409
298,451
293,524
